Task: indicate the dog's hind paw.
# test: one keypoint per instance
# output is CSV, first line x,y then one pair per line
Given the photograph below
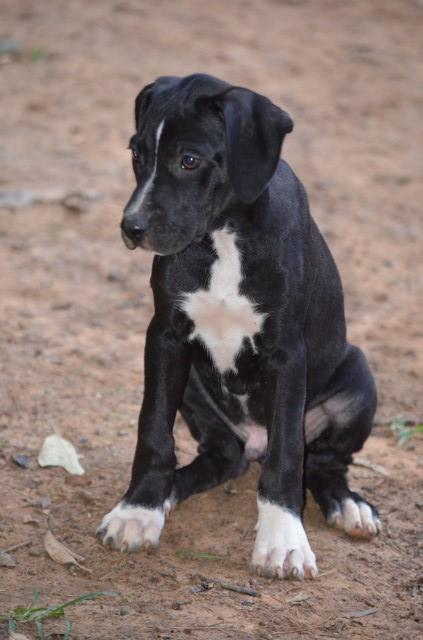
x,y
357,518
129,528
281,549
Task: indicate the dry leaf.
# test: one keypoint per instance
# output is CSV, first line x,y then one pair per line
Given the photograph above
x,y
58,452
61,554
6,560
17,636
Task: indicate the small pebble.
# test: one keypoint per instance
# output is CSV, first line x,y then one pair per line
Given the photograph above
x,y
114,276
86,497
123,611
43,502
10,46
21,460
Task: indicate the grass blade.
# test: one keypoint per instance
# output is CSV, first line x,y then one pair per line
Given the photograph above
x,y
191,554
58,610
40,629
68,630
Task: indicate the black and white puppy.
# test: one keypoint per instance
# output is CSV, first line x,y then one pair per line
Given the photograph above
x,y
248,337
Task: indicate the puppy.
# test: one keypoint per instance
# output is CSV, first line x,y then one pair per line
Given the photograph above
x,y
248,338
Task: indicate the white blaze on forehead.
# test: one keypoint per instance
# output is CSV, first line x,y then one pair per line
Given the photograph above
x,y
137,203
221,315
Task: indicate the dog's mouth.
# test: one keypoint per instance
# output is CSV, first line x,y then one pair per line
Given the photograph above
x,y
145,244
128,242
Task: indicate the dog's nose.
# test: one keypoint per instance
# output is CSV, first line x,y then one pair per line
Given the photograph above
x,y
133,228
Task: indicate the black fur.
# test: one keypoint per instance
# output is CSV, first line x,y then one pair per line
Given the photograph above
x,y
302,368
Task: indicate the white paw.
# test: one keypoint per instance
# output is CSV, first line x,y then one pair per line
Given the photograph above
x,y
129,528
281,549
355,518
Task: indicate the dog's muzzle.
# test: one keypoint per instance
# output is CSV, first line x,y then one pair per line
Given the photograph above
x,y
133,232
128,242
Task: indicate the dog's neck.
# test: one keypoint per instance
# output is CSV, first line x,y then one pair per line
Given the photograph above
x,y
237,215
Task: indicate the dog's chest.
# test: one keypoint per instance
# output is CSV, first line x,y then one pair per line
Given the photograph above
x,y
223,318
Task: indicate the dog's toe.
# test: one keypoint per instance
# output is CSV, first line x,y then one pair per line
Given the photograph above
x,y
285,564
282,549
356,518
130,528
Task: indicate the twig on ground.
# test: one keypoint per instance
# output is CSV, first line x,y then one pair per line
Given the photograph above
x,y
367,464
14,547
230,586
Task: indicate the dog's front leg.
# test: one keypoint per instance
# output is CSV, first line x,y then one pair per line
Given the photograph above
x,y
137,521
281,548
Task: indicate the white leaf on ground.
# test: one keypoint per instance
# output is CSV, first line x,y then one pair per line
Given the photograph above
x,y
58,452
6,560
61,554
18,636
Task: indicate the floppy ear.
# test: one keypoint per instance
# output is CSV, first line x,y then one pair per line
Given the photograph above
x,y
255,129
142,102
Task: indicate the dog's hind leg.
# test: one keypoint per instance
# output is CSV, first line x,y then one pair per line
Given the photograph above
x,y
334,429
220,451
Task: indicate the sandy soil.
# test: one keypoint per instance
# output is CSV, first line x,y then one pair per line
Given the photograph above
x,y
75,305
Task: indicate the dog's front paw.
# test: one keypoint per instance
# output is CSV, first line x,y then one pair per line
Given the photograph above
x,y
130,528
356,517
281,549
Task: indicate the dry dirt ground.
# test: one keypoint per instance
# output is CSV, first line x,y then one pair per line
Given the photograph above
x,y
75,305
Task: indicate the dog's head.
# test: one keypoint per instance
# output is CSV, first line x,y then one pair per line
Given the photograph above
x,y
200,145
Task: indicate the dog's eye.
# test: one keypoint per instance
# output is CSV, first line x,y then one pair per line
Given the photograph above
x,y
135,155
190,162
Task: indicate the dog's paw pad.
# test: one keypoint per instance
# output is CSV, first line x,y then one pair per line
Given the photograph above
x,y
281,549
357,519
130,528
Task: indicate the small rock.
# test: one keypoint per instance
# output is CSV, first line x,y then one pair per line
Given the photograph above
x,y
15,199
43,502
6,560
54,359
86,497
123,611
61,306
79,201
114,276
28,519
21,460
10,47
229,488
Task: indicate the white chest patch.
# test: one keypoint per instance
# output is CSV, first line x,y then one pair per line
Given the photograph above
x,y
222,316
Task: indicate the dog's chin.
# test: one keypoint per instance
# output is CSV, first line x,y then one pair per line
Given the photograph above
x,y
163,248
158,248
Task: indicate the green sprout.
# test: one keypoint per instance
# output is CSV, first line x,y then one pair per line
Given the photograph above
x,y
38,615
404,430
